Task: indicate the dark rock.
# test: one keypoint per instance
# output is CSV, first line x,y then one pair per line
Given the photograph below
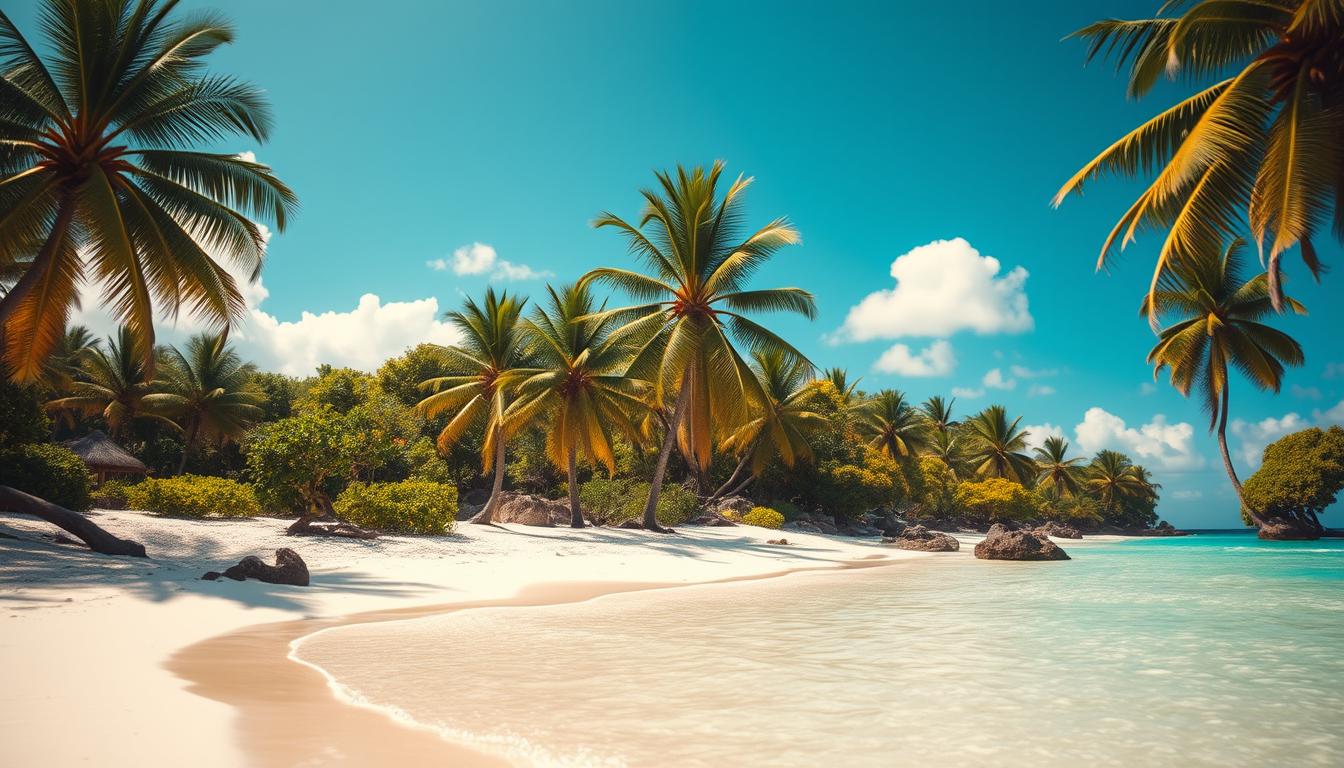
x,y
806,526
632,524
739,505
1059,531
1003,544
1281,529
526,509
289,568
921,539
713,520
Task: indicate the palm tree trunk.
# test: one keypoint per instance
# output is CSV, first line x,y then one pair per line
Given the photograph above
x,y
99,540
575,513
1227,461
721,492
660,469
192,433
487,516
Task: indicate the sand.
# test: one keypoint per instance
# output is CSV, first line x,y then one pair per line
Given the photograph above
x,y
120,661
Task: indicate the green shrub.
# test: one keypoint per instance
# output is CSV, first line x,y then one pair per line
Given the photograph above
x,y
996,500
113,494
193,496
1301,475
763,517
410,506
48,472
612,502
788,509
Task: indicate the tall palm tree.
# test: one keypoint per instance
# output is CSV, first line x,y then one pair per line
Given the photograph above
x,y
577,380
68,359
99,180
938,411
484,368
998,447
1263,143
208,391
1056,473
1218,323
839,378
116,385
783,424
693,316
947,446
1114,479
892,425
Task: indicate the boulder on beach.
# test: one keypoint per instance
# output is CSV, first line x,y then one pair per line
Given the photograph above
x,y
526,509
738,505
1059,531
289,568
921,539
1003,544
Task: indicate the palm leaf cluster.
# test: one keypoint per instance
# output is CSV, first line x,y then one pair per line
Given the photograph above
x,y
100,181
1261,143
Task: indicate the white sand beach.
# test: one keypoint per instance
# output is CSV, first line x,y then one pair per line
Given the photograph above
x,y
87,638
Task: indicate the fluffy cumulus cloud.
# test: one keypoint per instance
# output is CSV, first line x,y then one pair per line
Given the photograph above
x,y
994,379
942,288
1158,444
362,337
1253,436
481,259
968,393
1037,434
936,359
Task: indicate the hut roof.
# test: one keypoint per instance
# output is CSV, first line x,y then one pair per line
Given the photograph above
x,y
100,453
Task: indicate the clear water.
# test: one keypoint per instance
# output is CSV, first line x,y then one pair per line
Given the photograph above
x,y
1215,650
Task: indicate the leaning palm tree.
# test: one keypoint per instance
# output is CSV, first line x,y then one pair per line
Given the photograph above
x,y
938,411
484,366
892,425
1218,322
116,385
1262,143
577,380
99,181
1057,474
782,426
208,391
998,447
692,318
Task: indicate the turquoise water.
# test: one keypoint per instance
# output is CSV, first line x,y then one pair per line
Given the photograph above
x,y
1211,650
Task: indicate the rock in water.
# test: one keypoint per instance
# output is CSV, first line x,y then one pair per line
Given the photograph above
x,y
1059,531
1279,529
921,539
1003,544
289,568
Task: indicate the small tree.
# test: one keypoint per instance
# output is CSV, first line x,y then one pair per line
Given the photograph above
x,y
996,500
303,460
1300,476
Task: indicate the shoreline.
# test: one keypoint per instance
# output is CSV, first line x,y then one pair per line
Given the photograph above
x,y
287,706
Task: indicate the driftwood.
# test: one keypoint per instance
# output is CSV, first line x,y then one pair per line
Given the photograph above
x,y
289,568
316,526
90,533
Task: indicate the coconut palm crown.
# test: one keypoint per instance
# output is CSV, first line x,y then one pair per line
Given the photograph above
x,y
1057,474
892,425
998,447
208,391
99,180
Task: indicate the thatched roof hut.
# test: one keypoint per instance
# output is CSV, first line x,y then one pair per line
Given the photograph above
x,y
105,458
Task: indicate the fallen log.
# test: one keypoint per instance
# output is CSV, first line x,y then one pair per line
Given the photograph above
x,y
90,533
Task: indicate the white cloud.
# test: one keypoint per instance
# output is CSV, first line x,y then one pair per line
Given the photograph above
x,y
942,288
1038,433
1157,444
1187,494
1333,415
362,337
1023,372
480,259
1040,390
968,392
1147,388
1305,393
1255,435
936,359
993,379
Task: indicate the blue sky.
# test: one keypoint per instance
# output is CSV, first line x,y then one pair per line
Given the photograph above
x,y
413,130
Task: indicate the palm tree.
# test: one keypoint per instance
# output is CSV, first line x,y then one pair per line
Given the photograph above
x,y
693,310
839,378
997,446
1114,479
116,385
892,425
938,412
782,426
1218,323
1261,144
485,366
946,446
98,180
208,391
1057,474
67,361
578,381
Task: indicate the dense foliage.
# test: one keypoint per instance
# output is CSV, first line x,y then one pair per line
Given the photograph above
x,y
763,517
996,500
1300,476
47,471
612,502
193,496
409,506
299,463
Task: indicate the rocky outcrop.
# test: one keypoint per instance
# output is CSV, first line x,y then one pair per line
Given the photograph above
x,y
526,509
1163,528
738,505
1003,544
1281,529
289,568
921,539
712,520
1059,531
